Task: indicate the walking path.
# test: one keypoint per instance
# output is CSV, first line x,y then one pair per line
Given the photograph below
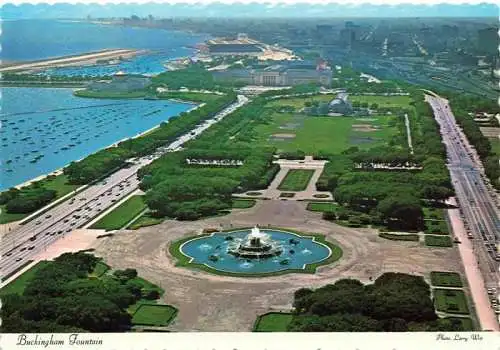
x,y
485,313
408,133
273,192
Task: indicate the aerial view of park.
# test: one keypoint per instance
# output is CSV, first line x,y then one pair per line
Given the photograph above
x,y
163,170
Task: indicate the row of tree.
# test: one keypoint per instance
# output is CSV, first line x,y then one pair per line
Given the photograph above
x,y
60,297
176,189
395,302
106,160
27,199
461,106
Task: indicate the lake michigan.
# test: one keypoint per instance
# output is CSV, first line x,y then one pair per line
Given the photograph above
x,y
44,129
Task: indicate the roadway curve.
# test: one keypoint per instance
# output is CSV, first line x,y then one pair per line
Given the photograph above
x,y
21,245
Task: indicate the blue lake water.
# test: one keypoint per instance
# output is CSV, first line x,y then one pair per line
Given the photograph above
x,y
26,40
306,251
54,128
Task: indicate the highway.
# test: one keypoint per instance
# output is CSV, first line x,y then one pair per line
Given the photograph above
x,y
21,245
476,204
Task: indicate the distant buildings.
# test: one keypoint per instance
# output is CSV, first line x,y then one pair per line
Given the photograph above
x,y
241,46
286,73
121,82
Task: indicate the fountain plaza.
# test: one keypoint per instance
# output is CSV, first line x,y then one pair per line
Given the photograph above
x,y
255,251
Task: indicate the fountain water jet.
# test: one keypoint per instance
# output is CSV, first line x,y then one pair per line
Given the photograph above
x,y
256,245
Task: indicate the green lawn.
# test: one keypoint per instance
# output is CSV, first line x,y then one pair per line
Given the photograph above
x,y
403,237
434,214
121,215
273,322
495,145
382,101
145,220
446,279
17,286
436,227
146,285
451,301
189,96
334,134
438,241
243,203
154,315
322,206
296,180
8,217
59,184
99,269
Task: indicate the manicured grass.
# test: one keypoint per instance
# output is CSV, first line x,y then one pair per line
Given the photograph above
x,y
154,315
8,217
495,145
438,241
436,227
60,184
446,279
451,301
434,214
382,101
243,203
17,286
273,322
334,134
146,285
121,215
189,96
403,237
145,220
322,206
296,180
99,269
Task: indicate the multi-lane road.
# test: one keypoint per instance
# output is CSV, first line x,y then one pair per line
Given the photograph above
x,y
476,204
19,246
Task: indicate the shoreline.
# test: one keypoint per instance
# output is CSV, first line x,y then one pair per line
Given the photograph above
x,y
71,60
59,171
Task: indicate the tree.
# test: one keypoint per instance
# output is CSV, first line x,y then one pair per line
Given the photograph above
x,y
404,209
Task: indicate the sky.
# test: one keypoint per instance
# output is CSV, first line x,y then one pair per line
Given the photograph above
x,y
18,9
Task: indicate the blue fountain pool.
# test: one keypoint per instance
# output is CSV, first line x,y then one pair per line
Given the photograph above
x,y
297,250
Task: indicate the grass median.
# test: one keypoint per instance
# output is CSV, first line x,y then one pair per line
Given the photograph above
x,y
121,215
296,180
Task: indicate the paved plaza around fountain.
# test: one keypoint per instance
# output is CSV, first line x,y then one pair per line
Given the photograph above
x,y
209,302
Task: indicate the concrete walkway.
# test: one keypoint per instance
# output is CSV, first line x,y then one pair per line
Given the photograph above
x,y
485,313
272,192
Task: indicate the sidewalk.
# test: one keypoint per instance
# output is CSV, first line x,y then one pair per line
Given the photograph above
x,y
484,312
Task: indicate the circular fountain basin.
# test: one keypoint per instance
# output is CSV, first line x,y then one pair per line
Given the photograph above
x,y
295,252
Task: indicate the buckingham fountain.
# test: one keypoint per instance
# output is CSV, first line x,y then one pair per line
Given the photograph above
x,y
256,251
257,245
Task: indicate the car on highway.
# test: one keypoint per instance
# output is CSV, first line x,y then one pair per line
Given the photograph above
x,y
22,249
19,259
38,223
68,230
48,216
31,248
